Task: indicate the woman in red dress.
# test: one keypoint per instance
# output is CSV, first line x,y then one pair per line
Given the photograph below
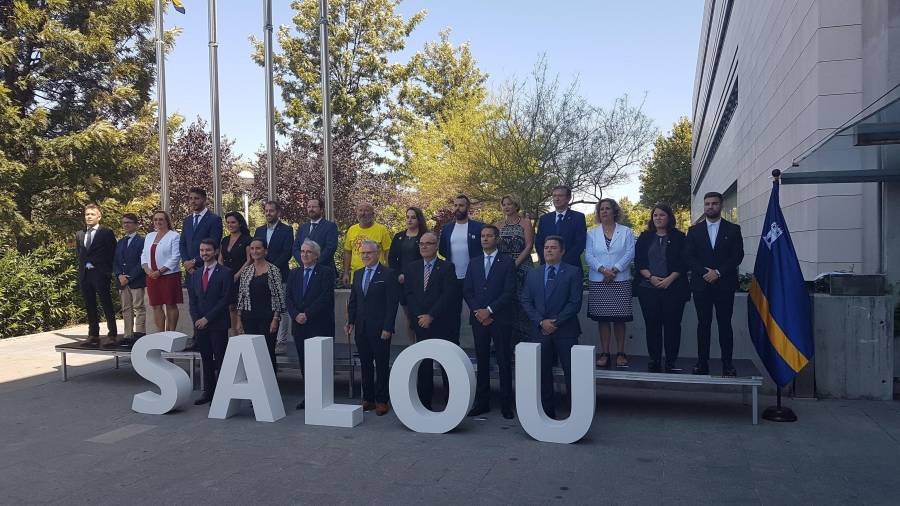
x,y
161,261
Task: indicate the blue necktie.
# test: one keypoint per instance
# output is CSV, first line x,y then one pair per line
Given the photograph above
x,y
488,260
196,221
559,218
366,279
307,272
551,276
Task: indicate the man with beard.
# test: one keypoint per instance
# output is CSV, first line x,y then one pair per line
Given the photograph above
x,y
319,230
714,250
460,242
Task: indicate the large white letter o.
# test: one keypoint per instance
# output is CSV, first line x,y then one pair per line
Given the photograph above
x,y
405,396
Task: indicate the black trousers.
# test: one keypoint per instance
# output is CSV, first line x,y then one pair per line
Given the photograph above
x,y
501,334
260,325
662,316
554,348
212,344
374,358
723,303
95,285
455,324
425,378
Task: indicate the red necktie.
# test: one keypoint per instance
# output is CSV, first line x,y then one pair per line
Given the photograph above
x,y
205,280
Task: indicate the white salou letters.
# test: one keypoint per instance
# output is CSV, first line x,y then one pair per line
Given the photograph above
x,y
404,394
318,383
247,374
174,384
528,395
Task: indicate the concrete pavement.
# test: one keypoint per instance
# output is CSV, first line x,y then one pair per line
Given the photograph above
x,y
79,442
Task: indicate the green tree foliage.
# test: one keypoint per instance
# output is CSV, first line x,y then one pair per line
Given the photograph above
x,y
364,84
75,121
441,79
666,175
549,134
38,290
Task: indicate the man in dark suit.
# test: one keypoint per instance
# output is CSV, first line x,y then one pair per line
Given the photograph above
x,y
320,230
198,225
279,238
490,292
460,241
551,297
131,279
713,252
564,222
371,312
310,300
431,292
210,294
96,247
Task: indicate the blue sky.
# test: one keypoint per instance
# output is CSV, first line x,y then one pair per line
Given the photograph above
x,y
613,47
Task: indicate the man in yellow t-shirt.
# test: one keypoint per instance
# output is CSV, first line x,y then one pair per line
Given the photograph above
x,y
365,230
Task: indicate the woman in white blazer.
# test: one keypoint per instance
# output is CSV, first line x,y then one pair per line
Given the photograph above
x,y
161,260
609,253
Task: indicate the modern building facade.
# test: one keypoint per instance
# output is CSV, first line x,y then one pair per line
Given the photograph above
x,y
810,87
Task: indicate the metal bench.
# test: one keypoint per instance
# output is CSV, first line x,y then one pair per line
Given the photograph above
x,y
192,357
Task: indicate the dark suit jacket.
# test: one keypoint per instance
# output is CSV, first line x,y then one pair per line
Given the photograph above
x,y
497,291
573,230
375,311
726,256
436,300
210,226
317,302
675,244
213,303
100,254
325,235
279,248
127,261
474,236
562,304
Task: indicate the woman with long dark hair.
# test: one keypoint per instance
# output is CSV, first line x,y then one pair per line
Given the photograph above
x,y
663,288
405,250
233,254
261,296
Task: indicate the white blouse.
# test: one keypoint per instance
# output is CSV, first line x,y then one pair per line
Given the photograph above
x,y
619,254
167,251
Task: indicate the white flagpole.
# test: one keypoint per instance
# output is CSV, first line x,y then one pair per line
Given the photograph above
x,y
161,108
214,109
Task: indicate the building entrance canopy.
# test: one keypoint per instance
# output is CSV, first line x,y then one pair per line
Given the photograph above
x,y
864,149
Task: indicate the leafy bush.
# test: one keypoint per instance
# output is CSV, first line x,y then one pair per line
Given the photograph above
x,y
38,290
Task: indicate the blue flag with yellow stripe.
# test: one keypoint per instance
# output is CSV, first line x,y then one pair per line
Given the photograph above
x,y
779,312
178,6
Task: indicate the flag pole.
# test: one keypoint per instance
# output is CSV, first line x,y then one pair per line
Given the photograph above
x,y
778,413
161,107
270,98
214,109
326,109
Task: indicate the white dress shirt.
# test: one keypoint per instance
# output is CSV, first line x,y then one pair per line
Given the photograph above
x,y
712,228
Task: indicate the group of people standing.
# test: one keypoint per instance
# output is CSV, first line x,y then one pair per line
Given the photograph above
x,y
242,284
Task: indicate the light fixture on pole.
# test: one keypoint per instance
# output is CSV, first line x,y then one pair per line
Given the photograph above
x,y
247,177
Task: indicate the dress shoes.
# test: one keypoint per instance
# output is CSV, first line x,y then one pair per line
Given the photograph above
x,y
381,409
109,343
479,410
368,406
702,368
671,368
126,342
728,370
301,405
92,342
206,398
507,413
654,366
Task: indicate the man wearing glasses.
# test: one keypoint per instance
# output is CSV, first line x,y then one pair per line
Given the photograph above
x,y
131,280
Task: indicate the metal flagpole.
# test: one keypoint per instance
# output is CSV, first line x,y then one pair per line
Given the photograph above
x,y
214,109
161,108
270,98
326,109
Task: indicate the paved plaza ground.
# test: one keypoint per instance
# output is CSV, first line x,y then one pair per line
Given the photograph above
x,y
79,442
